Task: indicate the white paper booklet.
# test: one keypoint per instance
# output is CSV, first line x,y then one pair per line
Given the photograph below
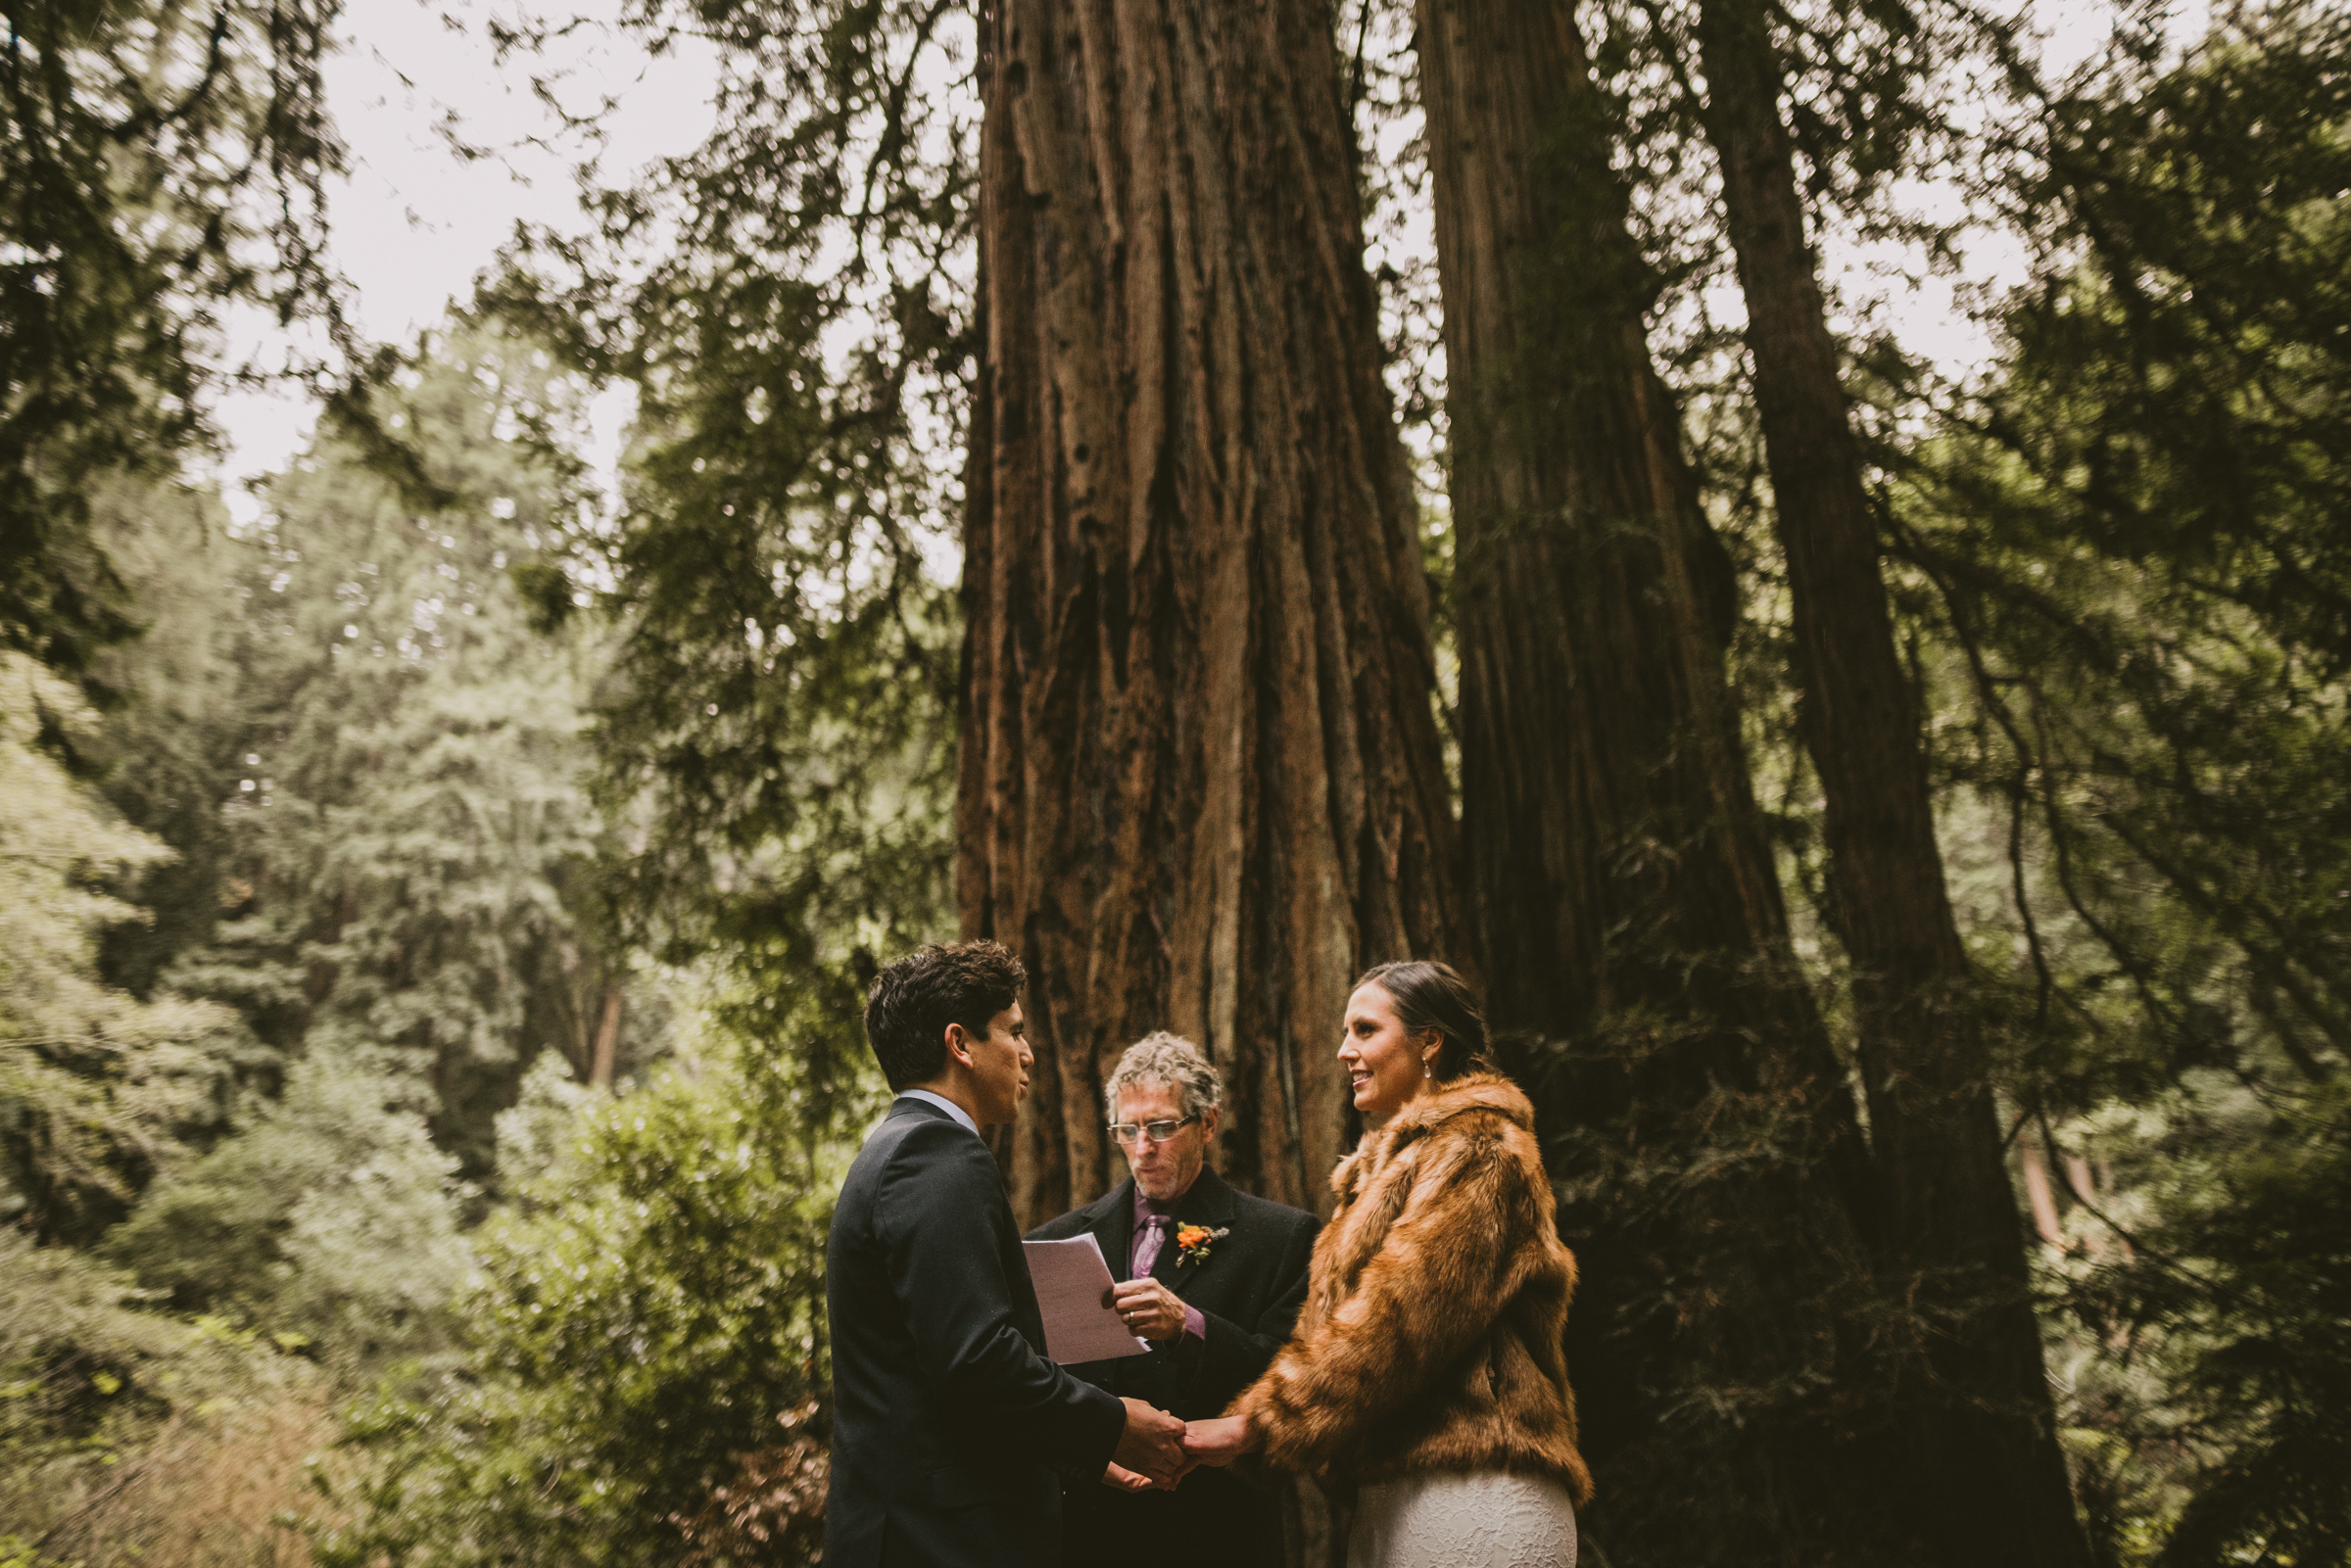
x,y
1073,1287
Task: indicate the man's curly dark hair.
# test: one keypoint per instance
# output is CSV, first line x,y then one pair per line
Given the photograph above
x,y
915,999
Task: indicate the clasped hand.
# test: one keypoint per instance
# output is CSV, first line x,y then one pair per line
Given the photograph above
x,y
1195,1443
1150,1451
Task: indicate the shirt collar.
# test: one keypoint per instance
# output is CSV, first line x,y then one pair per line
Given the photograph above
x,y
945,1104
1145,1207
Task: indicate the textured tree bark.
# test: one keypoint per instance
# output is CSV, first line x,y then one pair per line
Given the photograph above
x,y
1201,780
1988,1468
1628,912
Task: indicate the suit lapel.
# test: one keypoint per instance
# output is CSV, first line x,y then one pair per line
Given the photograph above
x,y
1113,1229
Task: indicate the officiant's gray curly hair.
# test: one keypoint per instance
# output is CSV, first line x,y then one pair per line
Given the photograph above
x,y
1163,1058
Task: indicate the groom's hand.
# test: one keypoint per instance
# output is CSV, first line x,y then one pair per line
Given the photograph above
x,y
1152,1445
1121,1479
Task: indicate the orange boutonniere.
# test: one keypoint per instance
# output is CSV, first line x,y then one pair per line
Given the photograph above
x,y
1193,1240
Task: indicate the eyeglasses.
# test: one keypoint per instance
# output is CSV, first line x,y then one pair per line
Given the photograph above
x,y
1131,1132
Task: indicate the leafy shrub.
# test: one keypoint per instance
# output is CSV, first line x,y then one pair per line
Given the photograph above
x,y
645,1365
128,1434
79,1360
2208,1383
330,1210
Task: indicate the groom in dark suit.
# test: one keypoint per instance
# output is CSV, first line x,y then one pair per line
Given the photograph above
x,y
1214,1279
948,1422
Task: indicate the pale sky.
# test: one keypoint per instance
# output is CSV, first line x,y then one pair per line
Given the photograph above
x,y
415,222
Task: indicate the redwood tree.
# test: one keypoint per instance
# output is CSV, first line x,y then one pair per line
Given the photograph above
x,y
1201,780
1627,908
1988,1471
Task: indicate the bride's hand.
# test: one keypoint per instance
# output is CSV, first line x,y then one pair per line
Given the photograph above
x,y
1218,1442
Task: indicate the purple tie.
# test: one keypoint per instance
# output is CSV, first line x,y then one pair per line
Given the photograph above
x,y
1147,1245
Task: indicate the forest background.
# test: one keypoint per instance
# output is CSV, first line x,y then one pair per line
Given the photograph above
x,y
1900,812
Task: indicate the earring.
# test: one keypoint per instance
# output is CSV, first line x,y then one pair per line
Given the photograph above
x,y
1428,1069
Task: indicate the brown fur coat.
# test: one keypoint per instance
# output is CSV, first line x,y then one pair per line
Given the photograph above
x,y
1430,1337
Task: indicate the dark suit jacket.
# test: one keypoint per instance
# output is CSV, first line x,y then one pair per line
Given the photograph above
x,y
1248,1289
948,1421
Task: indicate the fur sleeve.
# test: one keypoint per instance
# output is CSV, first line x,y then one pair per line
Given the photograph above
x,y
1449,1262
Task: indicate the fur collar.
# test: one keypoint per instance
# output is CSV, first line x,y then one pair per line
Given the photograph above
x,y
1471,1092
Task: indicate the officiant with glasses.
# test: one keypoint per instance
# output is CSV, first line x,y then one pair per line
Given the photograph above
x,y
1212,1279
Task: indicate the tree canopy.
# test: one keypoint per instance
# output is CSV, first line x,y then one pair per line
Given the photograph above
x,y
162,162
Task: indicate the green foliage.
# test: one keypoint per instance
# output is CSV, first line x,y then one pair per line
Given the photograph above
x,y
411,850
375,767
2215,1283
645,1316
79,1360
635,1371
95,1085
158,163
166,753
2126,584
331,1213
2249,1277
780,715
2185,394
2134,559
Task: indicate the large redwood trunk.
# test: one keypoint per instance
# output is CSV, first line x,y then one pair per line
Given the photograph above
x,y
1202,785
1627,908
1990,1477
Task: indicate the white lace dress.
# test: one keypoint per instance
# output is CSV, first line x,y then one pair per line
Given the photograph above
x,y
1481,1520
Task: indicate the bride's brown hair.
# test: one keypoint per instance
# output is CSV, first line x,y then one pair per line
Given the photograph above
x,y
1433,997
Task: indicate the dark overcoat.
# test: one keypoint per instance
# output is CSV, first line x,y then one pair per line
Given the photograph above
x,y
1248,1289
949,1423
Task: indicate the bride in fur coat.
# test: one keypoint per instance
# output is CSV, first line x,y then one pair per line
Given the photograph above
x,y
1426,1368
